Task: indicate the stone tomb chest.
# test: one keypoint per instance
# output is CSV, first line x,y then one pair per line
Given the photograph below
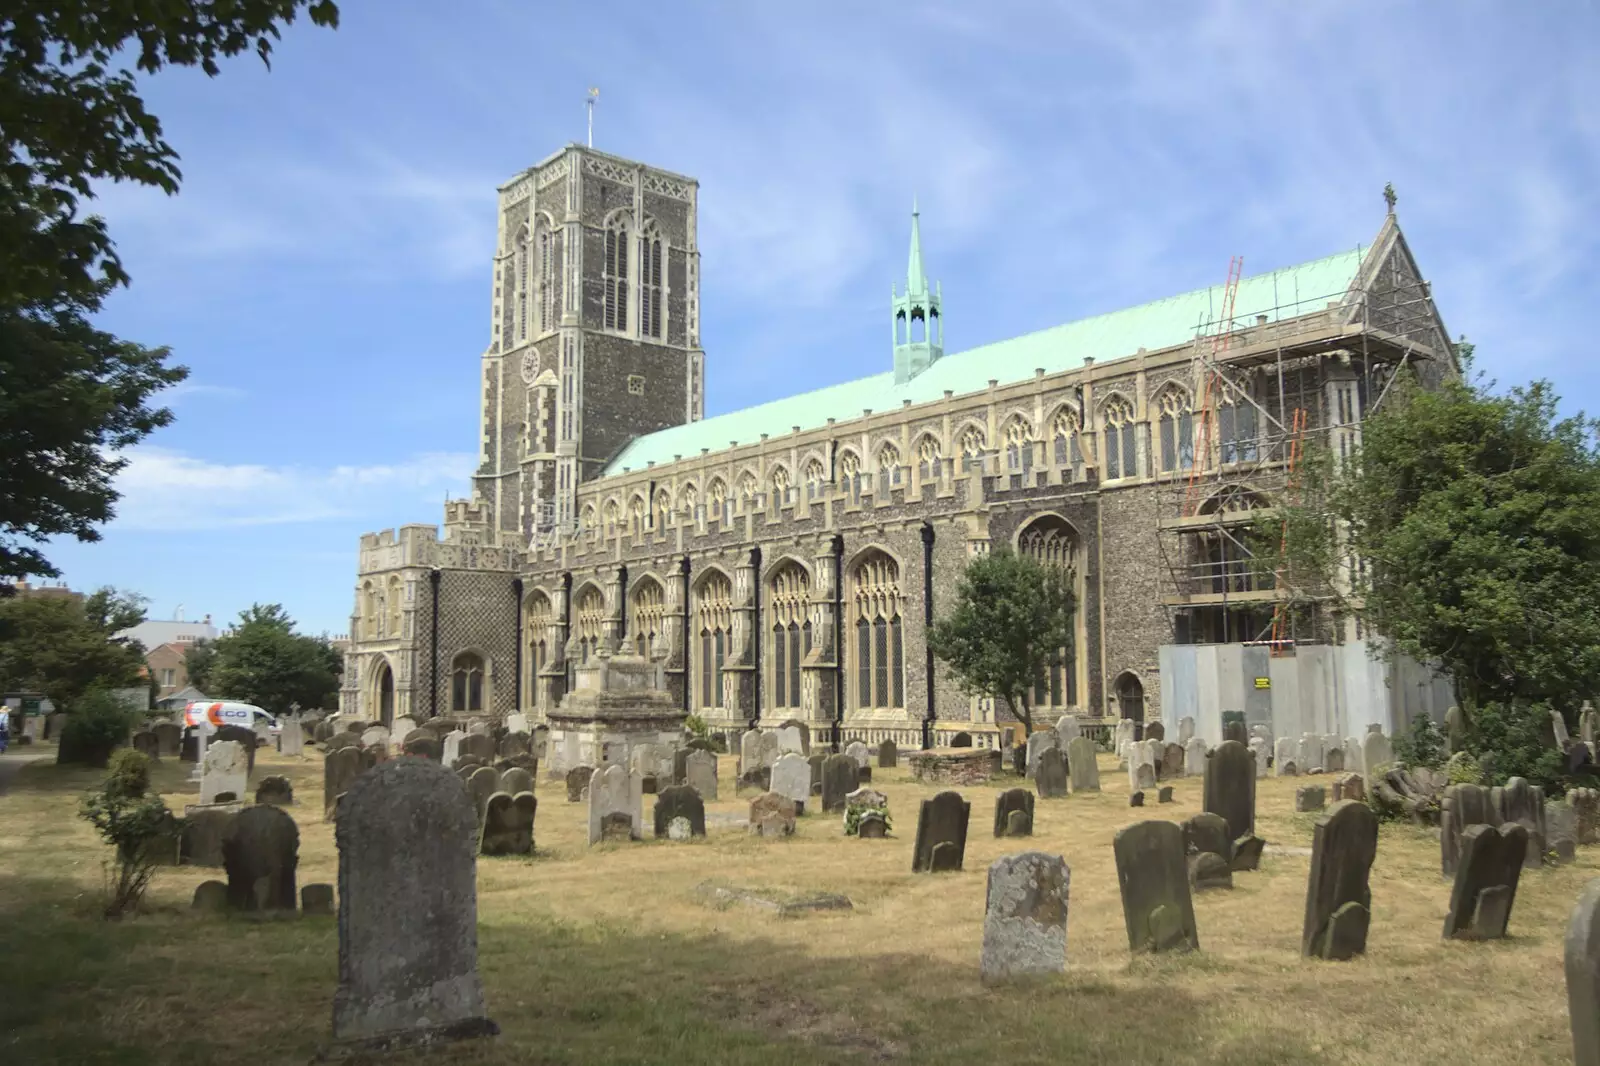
x,y
618,703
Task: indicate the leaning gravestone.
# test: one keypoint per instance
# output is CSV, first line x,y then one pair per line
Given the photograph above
x,y
888,755
1154,878
700,773
226,770
1518,801
1376,752
260,853
508,824
1582,959
1025,916
408,912
1050,774
1081,765
675,804
838,781
791,778
772,815
941,843
1338,898
1038,744
1230,787
245,738
615,800
1486,881
1013,813
790,737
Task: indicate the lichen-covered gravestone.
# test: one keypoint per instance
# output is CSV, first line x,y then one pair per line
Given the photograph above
x,y
226,770
1050,774
1153,875
616,798
1585,803
791,777
700,774
1038,744
1230,787
888,755
772,815
577,780
1338,898
260,853
508,824
1486,881
1013,813
1518,801
291,737
1025,916
169,738
1082,768
857,750
276,790
1185,730
340,770
1582,951
408,910
1376,752
482,783
422,744
1309,799
1460,806
839,779
941,843
680,813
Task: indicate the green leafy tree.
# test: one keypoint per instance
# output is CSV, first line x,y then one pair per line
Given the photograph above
x,y
1012,616
73,396
62,647
265,662
198,660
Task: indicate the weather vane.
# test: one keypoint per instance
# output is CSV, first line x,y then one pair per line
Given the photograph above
x,y
594,94
1388,195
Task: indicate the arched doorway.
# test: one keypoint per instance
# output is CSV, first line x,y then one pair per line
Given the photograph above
x,y
1130,701
383,686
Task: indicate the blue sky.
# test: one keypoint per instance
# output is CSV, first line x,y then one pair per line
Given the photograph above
x,y
325,270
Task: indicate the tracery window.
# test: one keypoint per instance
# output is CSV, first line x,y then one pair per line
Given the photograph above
x,y
466,683
536,625
522,284
1051,541
850,474
1176,429
714,623
614,276
1064,432
636,514
1122,454
1019,445
928,457
650,256
663,508
613,514
878,662
1237,429
394,605
717,499
972,444
689,501
748,488
648,622
815,477
587,521
371,611
780,484
788,594
589,616
888,466
547,278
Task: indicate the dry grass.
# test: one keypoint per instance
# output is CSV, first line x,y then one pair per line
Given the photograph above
x,y
603,955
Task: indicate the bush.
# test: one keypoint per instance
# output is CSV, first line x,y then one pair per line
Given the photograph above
x,y
97,724
1422,746
130,774
854,813
1463,769
136,824
1508,740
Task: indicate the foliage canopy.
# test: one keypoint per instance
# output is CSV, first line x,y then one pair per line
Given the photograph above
x,y
263,661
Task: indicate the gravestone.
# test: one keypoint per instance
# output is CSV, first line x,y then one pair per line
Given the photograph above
x,y
1247,853
1185,730
1025,916
514,781
1558,728
226,769
1338,898
1050,774
1153,876
516,722
1164,794
478,745
1333,759
422,744
1230,787
169,738
1286,757
1013,813
791,778
1155,731
1310,752
1081,765
408,913
1582,963
577,781
204,830
276,790
375,737
481,784
1136,798
615,794
1309,799
1585,803
772,815
872,826
479,728
1194,756
1068,729
749,751
238,734
316,898
1376,751
858,751
679,767
508,824
210,896
888,755
961,740
1561,832
838,781
1233,729
145,743
1038,744
1261,752
679,802
793,736
862,802
1518,801
1172,761
451,750
815,762
768,748
700,774
291,737
1141,766
260,853
1486,881
941,842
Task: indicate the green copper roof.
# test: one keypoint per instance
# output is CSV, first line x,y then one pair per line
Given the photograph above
x,y
1281,294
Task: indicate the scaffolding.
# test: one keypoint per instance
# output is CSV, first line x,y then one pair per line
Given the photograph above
x,y
1269,381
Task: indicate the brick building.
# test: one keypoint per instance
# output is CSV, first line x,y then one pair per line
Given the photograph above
x,y
783,560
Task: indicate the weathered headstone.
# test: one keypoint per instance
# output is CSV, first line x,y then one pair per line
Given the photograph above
x,y
204,830
577,781
408,914
1153,875
515,780
1286,757
291,737
791,778
1309,799
1558,726
1561,832
1025,916
1141,766
857,750
169,738
675,803
1164,794
481,784
1068,729
1081,765
1207,832
1261,751
700,774
452,747
1247,853
1376,752
1136,798
791,737
772,815
1050,774
941,842
211,896
145,743
815,762
316,898
226,769
1310,752
276,790
508,824
1333,758
1155,731
888,755
1172,761
1582,961
1230,787
749,751
1185,730
1518,801
1486,881
1013,813
862,802
1038,744
422,744
1338,899
768,748
1585,802
838,781
260,853
245,738
478,745
616,795
1194,756
375,737
1234,730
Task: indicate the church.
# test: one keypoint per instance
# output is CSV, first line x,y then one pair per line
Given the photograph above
x,y
785,561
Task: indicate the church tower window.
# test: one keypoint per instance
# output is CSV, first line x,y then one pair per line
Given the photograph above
x,y
791,632
879,668
714,617
466,683
615,276
650,286
522,285
547,279
1121,454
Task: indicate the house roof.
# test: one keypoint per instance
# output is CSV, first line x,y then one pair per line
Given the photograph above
x,y
1279,294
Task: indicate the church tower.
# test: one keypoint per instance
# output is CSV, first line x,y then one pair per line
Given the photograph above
x,y
594,333
918,325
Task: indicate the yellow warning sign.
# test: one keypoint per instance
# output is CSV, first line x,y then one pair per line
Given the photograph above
x,y
1263,682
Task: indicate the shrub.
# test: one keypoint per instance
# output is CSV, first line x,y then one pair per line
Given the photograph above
x,y
1463,769
855,812
136,824
1508,740
130,773
97,723
1423,745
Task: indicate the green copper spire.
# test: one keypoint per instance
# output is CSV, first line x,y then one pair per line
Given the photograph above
x,y
918,324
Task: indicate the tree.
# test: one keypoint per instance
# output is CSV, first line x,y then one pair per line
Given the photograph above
x,y
265,662
198,660
62,647
1012,616
72,397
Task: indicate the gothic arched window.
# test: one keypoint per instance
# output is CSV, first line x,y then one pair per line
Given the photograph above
x,y
788,595
1064,432
1237,428
689,501
971,449
651,254
466,683
522,267
1176,420
544,248
613,514
780,483
928,456
717,499
614,276
879,659
748,488
1051,541
815,478
888,466
587,520
850,473
1121,453
393,597
589,617
636,510
370,611
647,622
536,625
663,508
714,624
1019,444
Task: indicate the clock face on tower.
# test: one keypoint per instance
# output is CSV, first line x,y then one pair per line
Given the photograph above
x,y
530,366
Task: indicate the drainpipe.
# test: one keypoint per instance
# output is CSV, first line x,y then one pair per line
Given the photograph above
x,y
433,652
688,652
755,623
622,608
516,596
837,547
927,626
566,628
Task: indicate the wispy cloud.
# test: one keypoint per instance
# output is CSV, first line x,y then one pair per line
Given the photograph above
x,y
169,490
184,392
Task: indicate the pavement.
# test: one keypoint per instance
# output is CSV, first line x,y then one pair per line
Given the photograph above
x,y
16,758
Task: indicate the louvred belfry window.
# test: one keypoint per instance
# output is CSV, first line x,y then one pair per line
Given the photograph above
x,y
616,277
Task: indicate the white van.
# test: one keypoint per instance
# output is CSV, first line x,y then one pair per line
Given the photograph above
x,y
227,712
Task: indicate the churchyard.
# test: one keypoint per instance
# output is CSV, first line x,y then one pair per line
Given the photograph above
x,y
672,951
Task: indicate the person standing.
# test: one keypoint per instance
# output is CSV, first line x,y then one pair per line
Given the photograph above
x,y
5,728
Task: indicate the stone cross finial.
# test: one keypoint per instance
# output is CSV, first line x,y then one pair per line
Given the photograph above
x,y
1388,195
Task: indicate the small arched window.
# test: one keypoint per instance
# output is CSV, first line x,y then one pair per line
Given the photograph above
x,y
393,597
1237,428
748,489
1019,445
972,444
613,514
780,484
689,501
522,298
636,514
651,253
466,683
588,520
888,466
1122,455
663,509
815,478
928,457
1064,433
850,474
544,243
717,499
614,276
